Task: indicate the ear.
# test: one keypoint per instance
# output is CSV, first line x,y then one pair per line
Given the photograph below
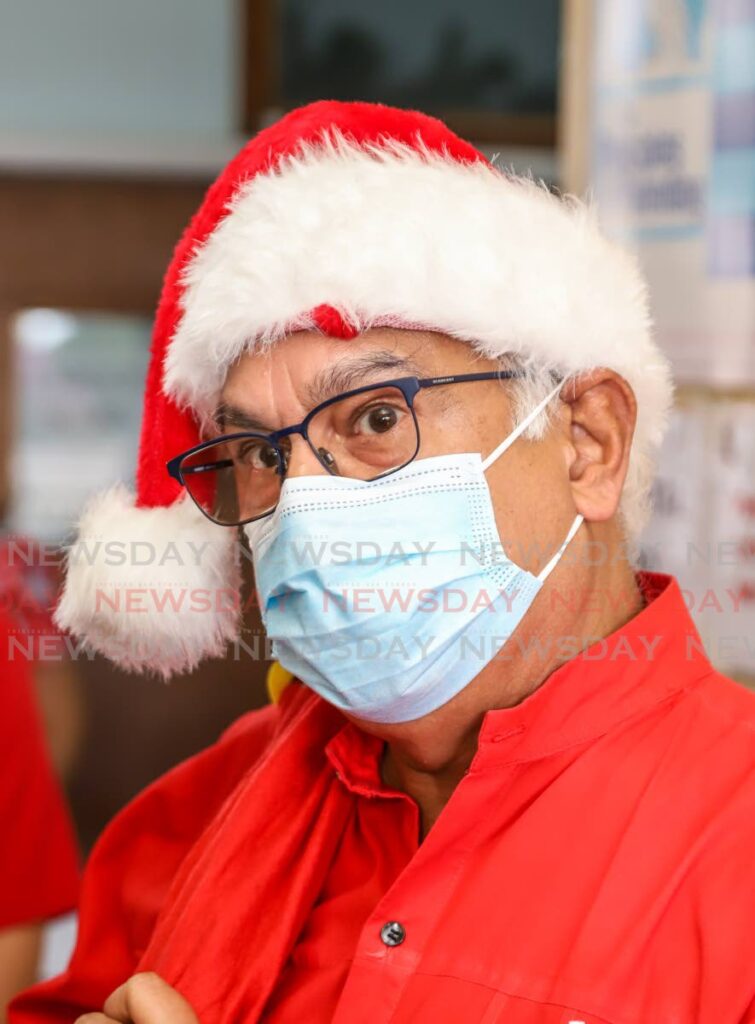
x,y
602,412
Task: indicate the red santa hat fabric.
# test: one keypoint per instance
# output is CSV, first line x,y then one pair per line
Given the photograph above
x,y
341,217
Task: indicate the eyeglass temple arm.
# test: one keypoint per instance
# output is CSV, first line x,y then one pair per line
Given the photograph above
x,y
175,470
460,378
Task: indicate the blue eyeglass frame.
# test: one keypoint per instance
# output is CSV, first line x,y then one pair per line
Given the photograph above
x,y
408,386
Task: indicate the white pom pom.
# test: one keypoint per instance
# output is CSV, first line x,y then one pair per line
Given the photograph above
x,y
151,588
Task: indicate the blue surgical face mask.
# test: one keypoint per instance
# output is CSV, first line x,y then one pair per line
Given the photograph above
x,y
389,596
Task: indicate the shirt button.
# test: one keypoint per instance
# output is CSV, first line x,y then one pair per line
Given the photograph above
x,y
392,933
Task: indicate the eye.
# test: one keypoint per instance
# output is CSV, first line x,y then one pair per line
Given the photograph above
x,y
378,419
257,455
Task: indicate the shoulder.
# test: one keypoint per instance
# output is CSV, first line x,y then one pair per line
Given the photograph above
x,y
709,745
699,760
711,758
728,700
723,712
144,845
135,861
139,856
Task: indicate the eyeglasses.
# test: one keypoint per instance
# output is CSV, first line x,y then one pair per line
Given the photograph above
x,y
367,433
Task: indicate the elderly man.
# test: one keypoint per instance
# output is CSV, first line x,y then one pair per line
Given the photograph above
x,y
504,783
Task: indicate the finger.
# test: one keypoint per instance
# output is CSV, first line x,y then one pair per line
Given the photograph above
x,y
147,999
94,1018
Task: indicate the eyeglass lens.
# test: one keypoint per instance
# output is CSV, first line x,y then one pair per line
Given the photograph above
x,y
362,437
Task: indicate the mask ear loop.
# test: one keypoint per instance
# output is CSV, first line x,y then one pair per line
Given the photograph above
x,y
508,441
551,565
504,445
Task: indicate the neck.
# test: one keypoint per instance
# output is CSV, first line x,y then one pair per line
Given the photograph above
x,y
428,757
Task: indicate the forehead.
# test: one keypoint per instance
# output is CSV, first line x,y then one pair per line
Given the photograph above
x,y
304,355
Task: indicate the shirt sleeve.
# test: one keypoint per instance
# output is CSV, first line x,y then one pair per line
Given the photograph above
x,y
131,869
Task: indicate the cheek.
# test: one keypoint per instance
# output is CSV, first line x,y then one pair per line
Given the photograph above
x,y
464,427
532,502
518,494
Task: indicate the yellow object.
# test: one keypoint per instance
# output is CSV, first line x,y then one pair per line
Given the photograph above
x,y
278,679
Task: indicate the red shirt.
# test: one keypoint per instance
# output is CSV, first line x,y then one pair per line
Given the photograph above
x,y
596,863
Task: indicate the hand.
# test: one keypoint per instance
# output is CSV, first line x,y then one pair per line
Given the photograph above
x,y
144,999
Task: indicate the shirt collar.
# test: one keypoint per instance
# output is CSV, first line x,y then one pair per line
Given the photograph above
x,y
356,756
655,655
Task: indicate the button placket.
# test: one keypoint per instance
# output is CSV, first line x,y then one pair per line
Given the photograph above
x,y
456,847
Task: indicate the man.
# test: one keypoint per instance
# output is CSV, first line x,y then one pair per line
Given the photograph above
x,y
505,783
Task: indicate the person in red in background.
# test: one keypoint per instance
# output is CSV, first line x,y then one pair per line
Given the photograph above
x,y
38,857
29,584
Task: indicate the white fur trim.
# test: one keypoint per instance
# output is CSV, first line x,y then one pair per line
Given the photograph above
x,y
151,588
392,232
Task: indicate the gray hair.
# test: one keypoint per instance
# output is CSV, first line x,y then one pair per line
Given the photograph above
x,y
531,388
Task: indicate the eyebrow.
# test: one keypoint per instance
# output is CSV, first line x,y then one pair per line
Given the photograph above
x,y
228,414
352,373
342,376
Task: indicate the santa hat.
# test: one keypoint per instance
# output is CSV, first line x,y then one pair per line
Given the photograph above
x,y
340,217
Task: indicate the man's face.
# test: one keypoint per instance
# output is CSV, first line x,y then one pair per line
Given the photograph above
x,y
529,483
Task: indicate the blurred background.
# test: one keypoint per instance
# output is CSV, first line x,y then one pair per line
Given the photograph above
x,y
114,118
